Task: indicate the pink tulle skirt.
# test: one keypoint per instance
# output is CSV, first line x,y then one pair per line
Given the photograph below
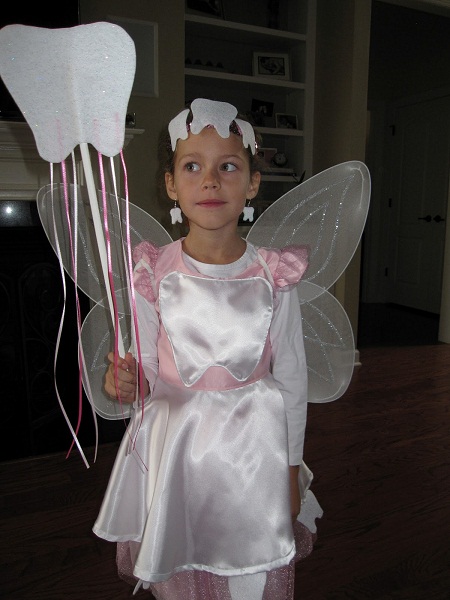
x,y
201,585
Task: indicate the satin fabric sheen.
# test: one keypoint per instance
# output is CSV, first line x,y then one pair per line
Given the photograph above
x,y
204,493
223,463
209,323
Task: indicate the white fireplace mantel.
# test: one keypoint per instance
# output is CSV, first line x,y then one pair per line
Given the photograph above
x,y
22,171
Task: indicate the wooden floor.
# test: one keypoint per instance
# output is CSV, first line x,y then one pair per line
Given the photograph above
x,y
381,459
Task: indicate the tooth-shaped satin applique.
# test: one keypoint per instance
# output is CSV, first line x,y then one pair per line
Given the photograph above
x,y
215,323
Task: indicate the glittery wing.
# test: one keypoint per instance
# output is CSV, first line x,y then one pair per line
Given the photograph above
x,y
52,211
329,344
327,213
97,332
97,339
98,329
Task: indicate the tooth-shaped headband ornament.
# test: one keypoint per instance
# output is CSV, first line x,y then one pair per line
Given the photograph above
x,y
210,113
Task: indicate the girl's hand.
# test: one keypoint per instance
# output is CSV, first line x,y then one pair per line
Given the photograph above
x,y
295,493
126,378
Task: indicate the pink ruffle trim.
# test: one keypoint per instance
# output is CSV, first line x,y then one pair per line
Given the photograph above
x,y
147,253
288,266
292,264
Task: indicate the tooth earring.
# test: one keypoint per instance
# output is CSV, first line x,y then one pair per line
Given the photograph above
x,y
175,213
248,212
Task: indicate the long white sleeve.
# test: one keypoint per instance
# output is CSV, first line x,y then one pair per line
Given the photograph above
x,y
289,369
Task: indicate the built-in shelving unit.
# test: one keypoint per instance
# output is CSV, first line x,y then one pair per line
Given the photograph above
x,y
220,64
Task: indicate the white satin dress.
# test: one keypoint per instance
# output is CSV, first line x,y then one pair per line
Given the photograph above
x,y
203,495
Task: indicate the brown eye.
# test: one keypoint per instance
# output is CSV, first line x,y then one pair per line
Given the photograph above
x,y
229,167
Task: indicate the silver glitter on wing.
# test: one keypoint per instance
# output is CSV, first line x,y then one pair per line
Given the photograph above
x,y
97,338
327,213
329,347
142,227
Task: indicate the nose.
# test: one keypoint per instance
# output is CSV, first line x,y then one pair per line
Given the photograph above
x,y
210,179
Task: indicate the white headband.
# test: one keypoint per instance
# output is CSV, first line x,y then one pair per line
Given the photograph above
x,y
210,113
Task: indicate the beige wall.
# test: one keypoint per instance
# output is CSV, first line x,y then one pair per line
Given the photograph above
x,y
152,114
342,61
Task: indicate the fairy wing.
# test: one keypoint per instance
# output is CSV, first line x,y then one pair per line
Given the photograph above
x,y
97,340
327,213
52,209
97,331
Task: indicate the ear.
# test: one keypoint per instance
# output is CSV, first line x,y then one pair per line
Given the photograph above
x,y
170,186
253,187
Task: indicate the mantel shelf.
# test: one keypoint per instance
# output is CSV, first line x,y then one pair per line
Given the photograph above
x,y
23,172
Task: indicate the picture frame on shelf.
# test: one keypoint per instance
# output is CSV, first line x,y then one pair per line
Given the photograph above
x,y
262,106
207,8
285,121
261,110
271,64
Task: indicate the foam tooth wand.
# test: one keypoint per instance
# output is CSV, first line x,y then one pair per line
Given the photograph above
x,y
73,85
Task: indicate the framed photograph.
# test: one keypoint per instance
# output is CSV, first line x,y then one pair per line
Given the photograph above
x,y
207,8
261,111
284,121
266,155
271,64
263,107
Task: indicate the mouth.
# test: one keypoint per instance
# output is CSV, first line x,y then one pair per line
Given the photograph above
x,y
211,203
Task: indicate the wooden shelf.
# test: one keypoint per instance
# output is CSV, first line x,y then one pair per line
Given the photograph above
x,y
280,178
232,32
281,131
220,63
245,79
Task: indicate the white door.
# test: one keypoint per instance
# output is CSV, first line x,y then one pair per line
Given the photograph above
x,y
418,200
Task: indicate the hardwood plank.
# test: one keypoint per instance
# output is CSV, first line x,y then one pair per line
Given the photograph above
x,y
381,459
381,455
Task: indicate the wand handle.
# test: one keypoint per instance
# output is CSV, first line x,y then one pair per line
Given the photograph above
x,y
92,193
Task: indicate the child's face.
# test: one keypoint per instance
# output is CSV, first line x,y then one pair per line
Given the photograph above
x,y
211,179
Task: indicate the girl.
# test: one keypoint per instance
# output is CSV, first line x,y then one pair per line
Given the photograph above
x,y
203,505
